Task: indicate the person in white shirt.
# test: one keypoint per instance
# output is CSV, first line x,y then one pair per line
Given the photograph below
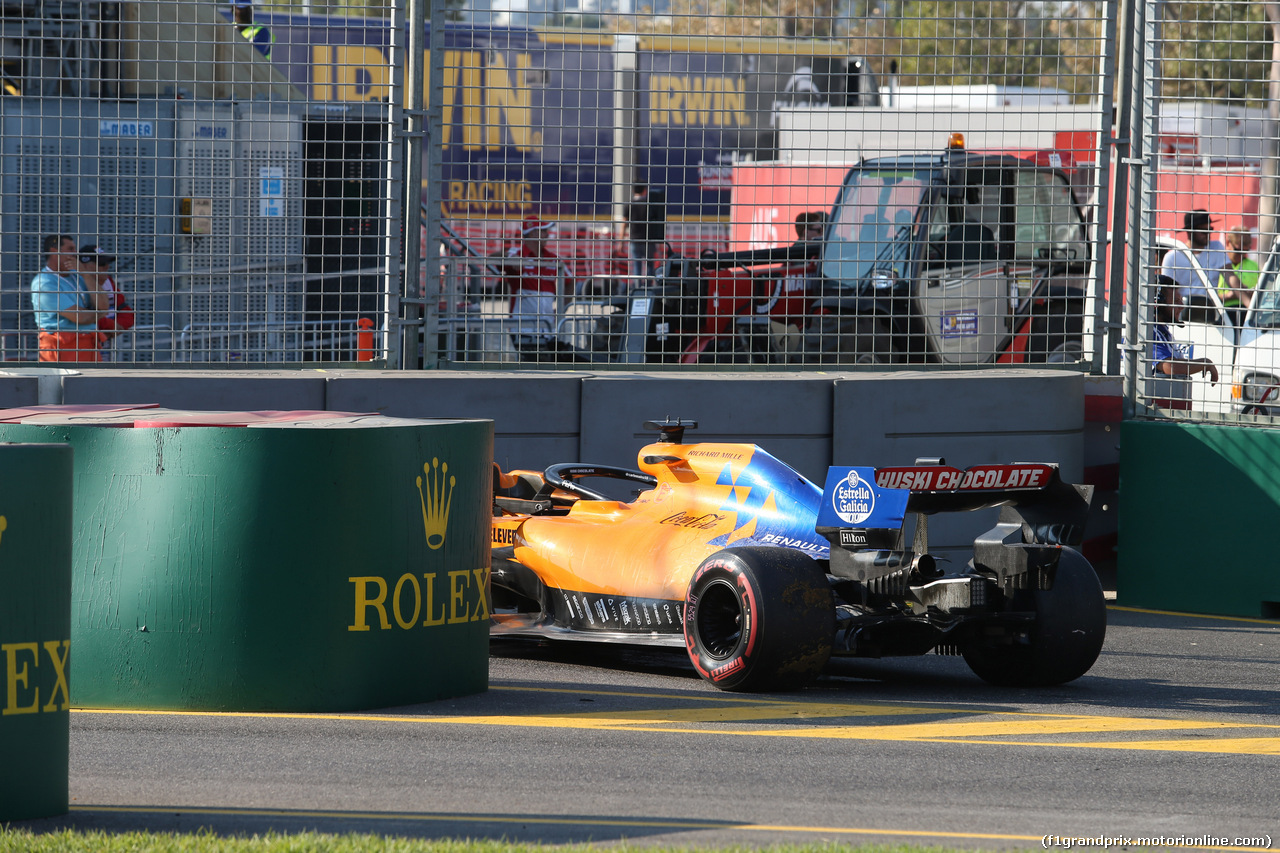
x,y
1211,255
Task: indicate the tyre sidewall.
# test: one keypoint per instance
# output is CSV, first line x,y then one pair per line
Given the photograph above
x,y
731,670
787,619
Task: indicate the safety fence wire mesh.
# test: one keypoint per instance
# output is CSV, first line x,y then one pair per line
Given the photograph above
x,y
198,182
823,182
798,183
1204,297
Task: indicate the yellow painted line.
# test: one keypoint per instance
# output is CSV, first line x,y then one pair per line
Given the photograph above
x,y
997,728
552,820
1271,622
1234,746
746,713
986,726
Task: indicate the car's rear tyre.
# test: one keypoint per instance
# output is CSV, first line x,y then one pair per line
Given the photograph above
x,y
759,619
1064,642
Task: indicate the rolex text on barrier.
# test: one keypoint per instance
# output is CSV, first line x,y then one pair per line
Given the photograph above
x,y
35,629
301,561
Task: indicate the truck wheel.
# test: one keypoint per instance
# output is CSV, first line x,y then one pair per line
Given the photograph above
x,y
836,339
758,619
1064,642
1066,352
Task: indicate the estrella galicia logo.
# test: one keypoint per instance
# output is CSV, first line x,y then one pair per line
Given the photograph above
x,y
853,499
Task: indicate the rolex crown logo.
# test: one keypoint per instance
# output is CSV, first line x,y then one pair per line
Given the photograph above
x,y
4,524
435,502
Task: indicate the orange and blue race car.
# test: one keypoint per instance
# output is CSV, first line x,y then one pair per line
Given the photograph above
x,y
762,576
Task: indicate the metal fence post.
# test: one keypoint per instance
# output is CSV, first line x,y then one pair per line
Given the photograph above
x,y
1103,234
416,317
1126,93
431,149
1143,120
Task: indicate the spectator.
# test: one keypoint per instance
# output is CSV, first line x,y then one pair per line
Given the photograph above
x,y
811,226
1168,357
1212,257
532,273
1240,275
67,308
256,34
95,267
647,229
787,306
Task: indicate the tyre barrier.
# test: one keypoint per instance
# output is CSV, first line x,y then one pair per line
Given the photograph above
x,y
273,561
35,629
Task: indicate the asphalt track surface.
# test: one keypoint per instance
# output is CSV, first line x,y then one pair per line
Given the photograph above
x,y
1174,733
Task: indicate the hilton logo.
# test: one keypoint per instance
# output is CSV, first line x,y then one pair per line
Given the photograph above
x,y
435,502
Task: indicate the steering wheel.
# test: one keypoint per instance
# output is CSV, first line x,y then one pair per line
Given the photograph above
x,y
562,477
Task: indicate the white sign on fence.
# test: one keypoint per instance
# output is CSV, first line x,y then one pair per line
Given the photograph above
x,y
271,191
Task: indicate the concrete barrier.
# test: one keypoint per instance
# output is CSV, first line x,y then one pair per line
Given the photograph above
x,y
213,390
537,414
788,415
35,629
275,561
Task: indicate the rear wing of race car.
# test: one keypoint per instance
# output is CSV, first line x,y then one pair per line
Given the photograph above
x,y
863,511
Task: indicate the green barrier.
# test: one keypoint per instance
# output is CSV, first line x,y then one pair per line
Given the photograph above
x,y
331,566
1195,516
35,629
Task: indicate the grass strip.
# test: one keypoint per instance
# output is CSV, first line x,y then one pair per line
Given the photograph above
x,y
97,841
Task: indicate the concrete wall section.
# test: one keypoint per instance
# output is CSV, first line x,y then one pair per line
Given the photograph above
x,y
18,390
536,414
967,418
217,391
788,415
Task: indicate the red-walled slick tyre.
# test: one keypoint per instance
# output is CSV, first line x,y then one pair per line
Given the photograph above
x,y
759,619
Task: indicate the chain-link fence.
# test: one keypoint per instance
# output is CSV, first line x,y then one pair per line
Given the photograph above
x,y
1203,287
796,183
783,183
178,188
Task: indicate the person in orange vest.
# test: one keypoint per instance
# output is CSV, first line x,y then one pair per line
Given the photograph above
x,y
67,308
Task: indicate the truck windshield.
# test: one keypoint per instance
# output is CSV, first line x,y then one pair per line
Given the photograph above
x,y
1266,299
872,221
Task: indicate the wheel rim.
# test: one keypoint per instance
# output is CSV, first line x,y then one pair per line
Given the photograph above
x,y
1065,353
719,620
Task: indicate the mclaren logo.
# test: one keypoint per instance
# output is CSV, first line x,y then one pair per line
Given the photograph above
x,y
435,502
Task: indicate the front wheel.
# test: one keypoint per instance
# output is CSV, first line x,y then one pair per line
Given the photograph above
x,y
759,619
1065,639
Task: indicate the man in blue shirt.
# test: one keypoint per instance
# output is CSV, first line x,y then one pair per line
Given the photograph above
x,y
67,309
1168,357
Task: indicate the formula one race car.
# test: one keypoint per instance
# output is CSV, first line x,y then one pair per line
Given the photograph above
x,y
762,576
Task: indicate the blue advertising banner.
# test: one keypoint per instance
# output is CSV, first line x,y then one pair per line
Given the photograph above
x,y
707,104
529,117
